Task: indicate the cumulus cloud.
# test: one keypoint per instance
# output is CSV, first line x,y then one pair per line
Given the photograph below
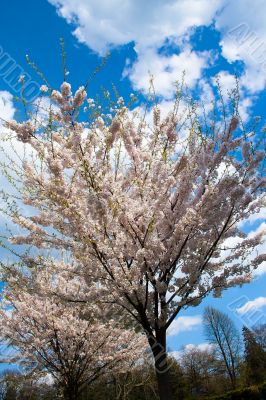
x,y
183,324
7,109
254,218
243,38
261,249
12,154
42,107
201,347
166,70
149,25
105,25
252,305
261,270
228,85
227,81
7,112
47,379
233,242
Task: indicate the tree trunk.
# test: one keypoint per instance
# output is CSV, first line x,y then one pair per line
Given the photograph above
x,y
158,347
71,392
233,379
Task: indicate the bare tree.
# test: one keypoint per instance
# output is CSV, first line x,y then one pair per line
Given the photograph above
x,y
260,335
221,332
199,366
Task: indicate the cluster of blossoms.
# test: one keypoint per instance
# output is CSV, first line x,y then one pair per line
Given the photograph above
x,y
148,211
44,88
74,343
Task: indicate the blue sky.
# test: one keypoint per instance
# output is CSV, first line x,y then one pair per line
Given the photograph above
x,y
162,38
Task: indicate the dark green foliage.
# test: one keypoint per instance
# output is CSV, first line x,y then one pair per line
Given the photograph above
x,y
255,358
249,393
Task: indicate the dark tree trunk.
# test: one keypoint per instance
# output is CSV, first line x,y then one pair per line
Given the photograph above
x,y
232,376
158,347
71,392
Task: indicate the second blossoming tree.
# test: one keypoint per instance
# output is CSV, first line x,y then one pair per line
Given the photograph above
x,y
75,344
151,210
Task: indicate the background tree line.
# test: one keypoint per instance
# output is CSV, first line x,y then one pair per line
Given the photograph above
x,y
230,361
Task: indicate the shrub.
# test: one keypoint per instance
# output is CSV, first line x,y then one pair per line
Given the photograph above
x,y
249,393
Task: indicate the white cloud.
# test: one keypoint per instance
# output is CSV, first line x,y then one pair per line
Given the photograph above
x,y
183,324
261,249
202,347
232,242
243,32
206,95
151,24
7,109
251,305
261,270
7,112
12,154
227,81
47,379
105,24
42,106
244,107
261,215
166,70
228,84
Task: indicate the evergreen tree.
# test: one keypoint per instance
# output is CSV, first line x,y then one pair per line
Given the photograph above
x,y
255,358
